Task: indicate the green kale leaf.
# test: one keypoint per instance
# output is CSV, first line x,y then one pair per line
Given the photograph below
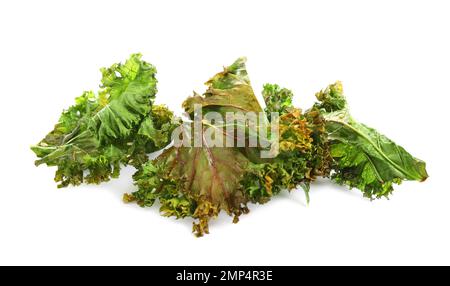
x,y
200,182
102,131
303,151
362,157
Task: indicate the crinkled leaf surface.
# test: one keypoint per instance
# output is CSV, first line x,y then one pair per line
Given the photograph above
x,y
130,90
277,99
228,91
302,149
98,133
194,181
201,181
362,157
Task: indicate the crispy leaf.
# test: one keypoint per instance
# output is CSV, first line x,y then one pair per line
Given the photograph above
x,y
130,89
301,145
157,128
98,133
277,99
228,91
362,157
202,181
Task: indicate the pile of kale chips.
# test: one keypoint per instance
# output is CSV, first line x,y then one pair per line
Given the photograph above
x,y
120,125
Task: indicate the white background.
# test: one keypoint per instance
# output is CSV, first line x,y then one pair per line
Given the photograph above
x,y
392,56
